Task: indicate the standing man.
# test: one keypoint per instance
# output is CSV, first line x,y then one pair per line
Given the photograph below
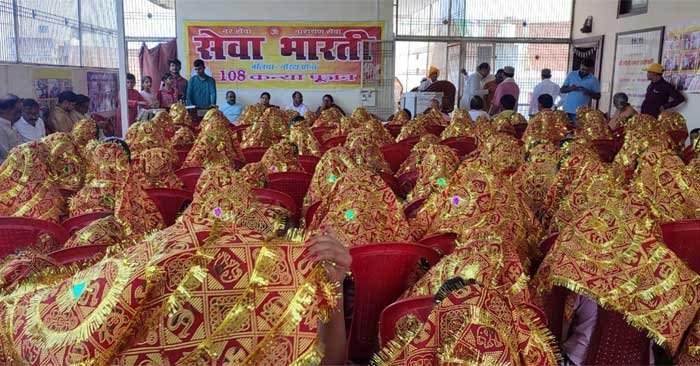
x,y
473,86
546,86
179,83
661,95
580,87
297,104
201,89
10,111
60,118
30,127
231,109
507,87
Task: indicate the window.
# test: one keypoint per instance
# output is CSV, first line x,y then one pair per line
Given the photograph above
x,y
8,51
631,7
48,32
99,33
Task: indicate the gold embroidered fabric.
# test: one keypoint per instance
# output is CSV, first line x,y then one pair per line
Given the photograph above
x,y
26,187
545,127
66,162
460,125
83,132
155,169
215,145
505,152
415,158
365,148
533,179
333,165
180,116
591,124
100,192
437,165
304,139
183,136
642,132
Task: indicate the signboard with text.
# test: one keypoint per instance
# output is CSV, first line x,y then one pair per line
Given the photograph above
x,y
290,55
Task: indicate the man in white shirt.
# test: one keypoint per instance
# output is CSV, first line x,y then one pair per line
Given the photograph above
x,y
298,104
546,86
473,87
10,111
30,127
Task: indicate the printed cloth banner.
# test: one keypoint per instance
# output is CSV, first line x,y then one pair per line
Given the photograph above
x,y
297,55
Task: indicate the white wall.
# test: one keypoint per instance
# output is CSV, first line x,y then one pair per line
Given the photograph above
x,y
660,13
309,10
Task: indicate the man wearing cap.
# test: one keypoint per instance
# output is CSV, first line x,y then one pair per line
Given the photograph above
x,y
661,94
546,86
433,73
580,87
506,87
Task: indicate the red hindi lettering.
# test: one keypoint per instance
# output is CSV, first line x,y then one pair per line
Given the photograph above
x,y
236,47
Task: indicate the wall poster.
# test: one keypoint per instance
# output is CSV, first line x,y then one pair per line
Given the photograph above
x,y
681,57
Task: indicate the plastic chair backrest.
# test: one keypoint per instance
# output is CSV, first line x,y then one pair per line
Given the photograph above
x,y
308,162
277,198
75,223
419,307
442,243
21,232
295,184
333,142
410,141
170,202
607,149
395,154
319,132
77,254
435,129
394,130
411,210
381,272
683,238
462,144
182,152
614,342
67,193
238,130
253,154
189,177
407,181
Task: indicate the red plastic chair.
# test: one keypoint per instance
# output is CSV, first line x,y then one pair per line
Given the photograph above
x,y
76,223
319,132
394,130
21,232
683,237
169,202
277,198
411,210
678,137
407,181
419,306
392,182
381,272
253,154
189,177
435,129
78,254
442,243
607,149
519,130
333,142
410,141
688,154
311,212
295,184
308,162
614,342
182,152
238,130
395,154
462,144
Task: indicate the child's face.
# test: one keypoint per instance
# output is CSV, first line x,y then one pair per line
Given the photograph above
x,y
147,84
130,84
168,82
694,136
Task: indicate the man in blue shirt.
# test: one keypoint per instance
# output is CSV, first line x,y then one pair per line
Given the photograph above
x,y
580,87
201,89
231,109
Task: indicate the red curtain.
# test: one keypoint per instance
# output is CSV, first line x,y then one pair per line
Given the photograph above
x,y
154,61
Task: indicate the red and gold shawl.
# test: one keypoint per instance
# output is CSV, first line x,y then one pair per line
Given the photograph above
x,y
155,169
415,158
473,326
642,132
279,158
533,179
413,128
505,152
183,136
302,136
215,145
83,132
26,187
460,125
662,182
399,118
66,162
180,117
100,193
591,124
436,167
333,165
144,135
365,149
545,127
197,292
362,210
612,256
164,121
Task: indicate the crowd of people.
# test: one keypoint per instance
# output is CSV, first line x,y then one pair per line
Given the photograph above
x,y
236,280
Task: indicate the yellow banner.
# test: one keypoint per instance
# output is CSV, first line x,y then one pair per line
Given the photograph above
x,y
289,55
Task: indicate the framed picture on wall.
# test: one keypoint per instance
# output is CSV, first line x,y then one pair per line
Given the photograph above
x,y
635,50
